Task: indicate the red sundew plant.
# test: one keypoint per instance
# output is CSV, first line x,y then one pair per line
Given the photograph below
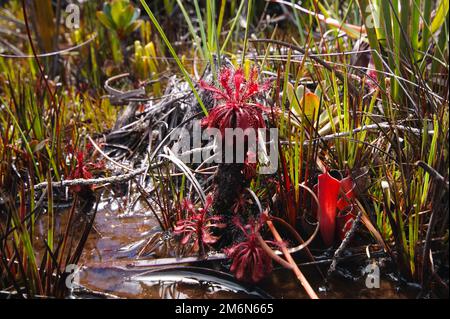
x,y
83,169
198,225
250,262
238,108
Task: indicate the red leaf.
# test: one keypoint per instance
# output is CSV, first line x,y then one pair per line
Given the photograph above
x,y
197,222
344,222
328,192
238,105
250,262
345,217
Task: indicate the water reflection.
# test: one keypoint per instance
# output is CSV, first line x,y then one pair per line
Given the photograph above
x,y
119,236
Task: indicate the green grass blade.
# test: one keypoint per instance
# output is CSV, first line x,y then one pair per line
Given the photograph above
x,y
174,55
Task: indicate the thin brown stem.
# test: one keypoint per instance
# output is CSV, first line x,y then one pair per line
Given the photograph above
x,y
303,281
